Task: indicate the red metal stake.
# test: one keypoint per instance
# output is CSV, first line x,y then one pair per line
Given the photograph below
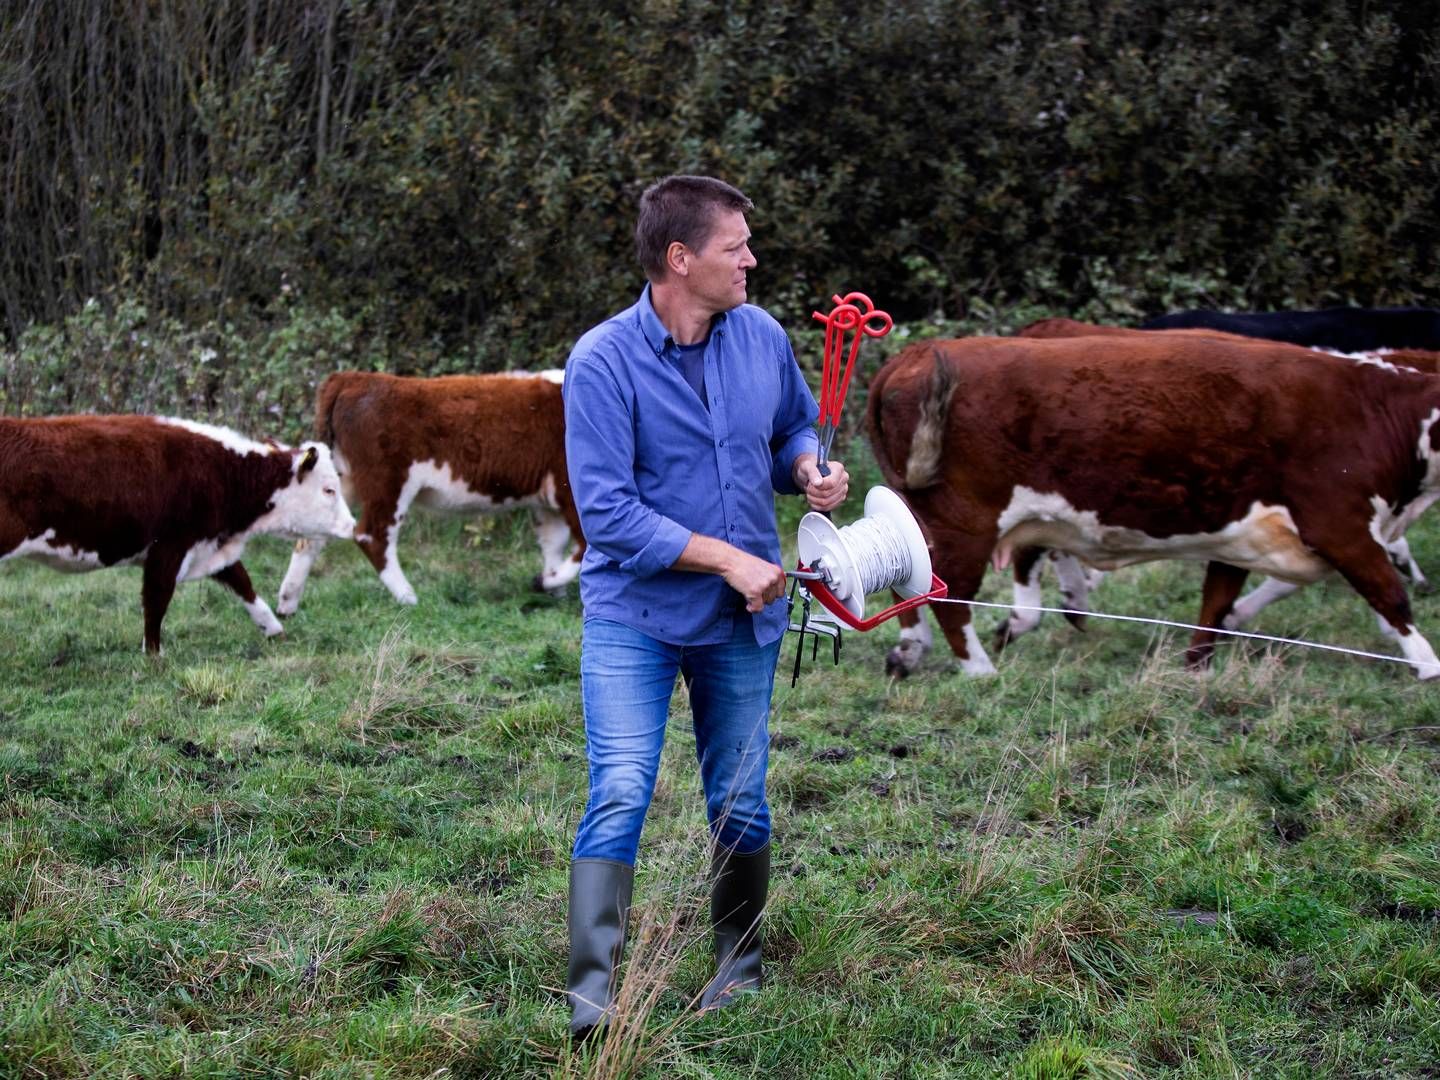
x,y
853,314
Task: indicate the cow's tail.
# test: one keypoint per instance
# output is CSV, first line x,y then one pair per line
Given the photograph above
x,y
325,407
927,444
912,465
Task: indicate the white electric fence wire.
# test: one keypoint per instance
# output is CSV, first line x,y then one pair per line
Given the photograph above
x,y
882,560
1181,626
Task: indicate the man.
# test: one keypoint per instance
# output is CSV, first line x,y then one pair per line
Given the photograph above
x,y
682,414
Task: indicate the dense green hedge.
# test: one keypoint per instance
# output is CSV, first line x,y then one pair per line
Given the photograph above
x,y
452,181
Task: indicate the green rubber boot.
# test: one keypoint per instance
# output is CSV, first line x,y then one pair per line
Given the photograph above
x,y
741,884
600,891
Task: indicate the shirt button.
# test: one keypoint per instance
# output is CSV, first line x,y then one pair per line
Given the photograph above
x,y
727,485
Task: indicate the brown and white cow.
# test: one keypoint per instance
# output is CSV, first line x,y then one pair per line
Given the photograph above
x,y
1270,590
1120,450
1424,360
1076,582
1068,328
458,444
181,499
1415,359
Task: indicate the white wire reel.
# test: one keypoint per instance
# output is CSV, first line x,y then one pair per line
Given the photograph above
x,y
883,550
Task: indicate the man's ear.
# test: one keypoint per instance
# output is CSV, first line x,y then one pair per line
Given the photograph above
x,y
677,259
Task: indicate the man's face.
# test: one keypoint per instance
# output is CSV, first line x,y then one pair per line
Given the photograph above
x,y
717,270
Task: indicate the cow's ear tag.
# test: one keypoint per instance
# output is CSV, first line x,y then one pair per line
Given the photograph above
x,y
308,462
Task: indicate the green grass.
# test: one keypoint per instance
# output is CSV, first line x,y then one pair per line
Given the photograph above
x,y
343,853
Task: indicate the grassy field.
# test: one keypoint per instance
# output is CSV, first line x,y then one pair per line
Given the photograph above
x,y
343,853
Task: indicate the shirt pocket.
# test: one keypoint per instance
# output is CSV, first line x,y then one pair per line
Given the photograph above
x,y
750,402
675,464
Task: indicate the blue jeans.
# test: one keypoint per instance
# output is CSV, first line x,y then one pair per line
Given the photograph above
x,y
626,680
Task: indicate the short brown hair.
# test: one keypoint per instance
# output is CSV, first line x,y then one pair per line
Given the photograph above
x,y
680,208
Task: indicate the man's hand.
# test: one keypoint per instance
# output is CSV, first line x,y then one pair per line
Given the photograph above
x,y
822,492
758,581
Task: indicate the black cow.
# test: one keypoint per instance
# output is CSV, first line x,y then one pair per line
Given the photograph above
x,y
1347,329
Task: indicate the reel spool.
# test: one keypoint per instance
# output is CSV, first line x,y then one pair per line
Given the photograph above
x,y
884,550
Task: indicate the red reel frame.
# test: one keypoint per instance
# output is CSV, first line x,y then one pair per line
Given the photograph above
x,y
818,589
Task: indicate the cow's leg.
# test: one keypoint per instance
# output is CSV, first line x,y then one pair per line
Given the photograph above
x,y
237,581
302,561
960,559
1256,600
1368,569
963,569
915,641
157,587
954,620
1223,583
12,532
1029,569
378,534
577,535
1076,582
1404,561
553,533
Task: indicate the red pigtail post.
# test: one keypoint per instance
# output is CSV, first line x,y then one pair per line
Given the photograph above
x,y
854,314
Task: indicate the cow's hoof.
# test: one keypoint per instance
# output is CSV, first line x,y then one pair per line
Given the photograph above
x,y
1198,658
1003,636
552,588
1075,620
978,667
1423,588
902,660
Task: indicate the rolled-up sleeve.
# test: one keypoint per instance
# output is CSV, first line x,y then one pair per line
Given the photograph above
x,y
600,457
794,421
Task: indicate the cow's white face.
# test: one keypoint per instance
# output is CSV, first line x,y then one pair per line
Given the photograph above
x,y
311,504
1428,453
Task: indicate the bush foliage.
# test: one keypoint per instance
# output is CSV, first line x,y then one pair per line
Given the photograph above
x,y
454,180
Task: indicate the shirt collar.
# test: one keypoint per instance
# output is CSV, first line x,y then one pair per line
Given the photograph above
x,y
656,336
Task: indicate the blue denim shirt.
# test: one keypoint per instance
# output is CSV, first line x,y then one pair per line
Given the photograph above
x,y
649,465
